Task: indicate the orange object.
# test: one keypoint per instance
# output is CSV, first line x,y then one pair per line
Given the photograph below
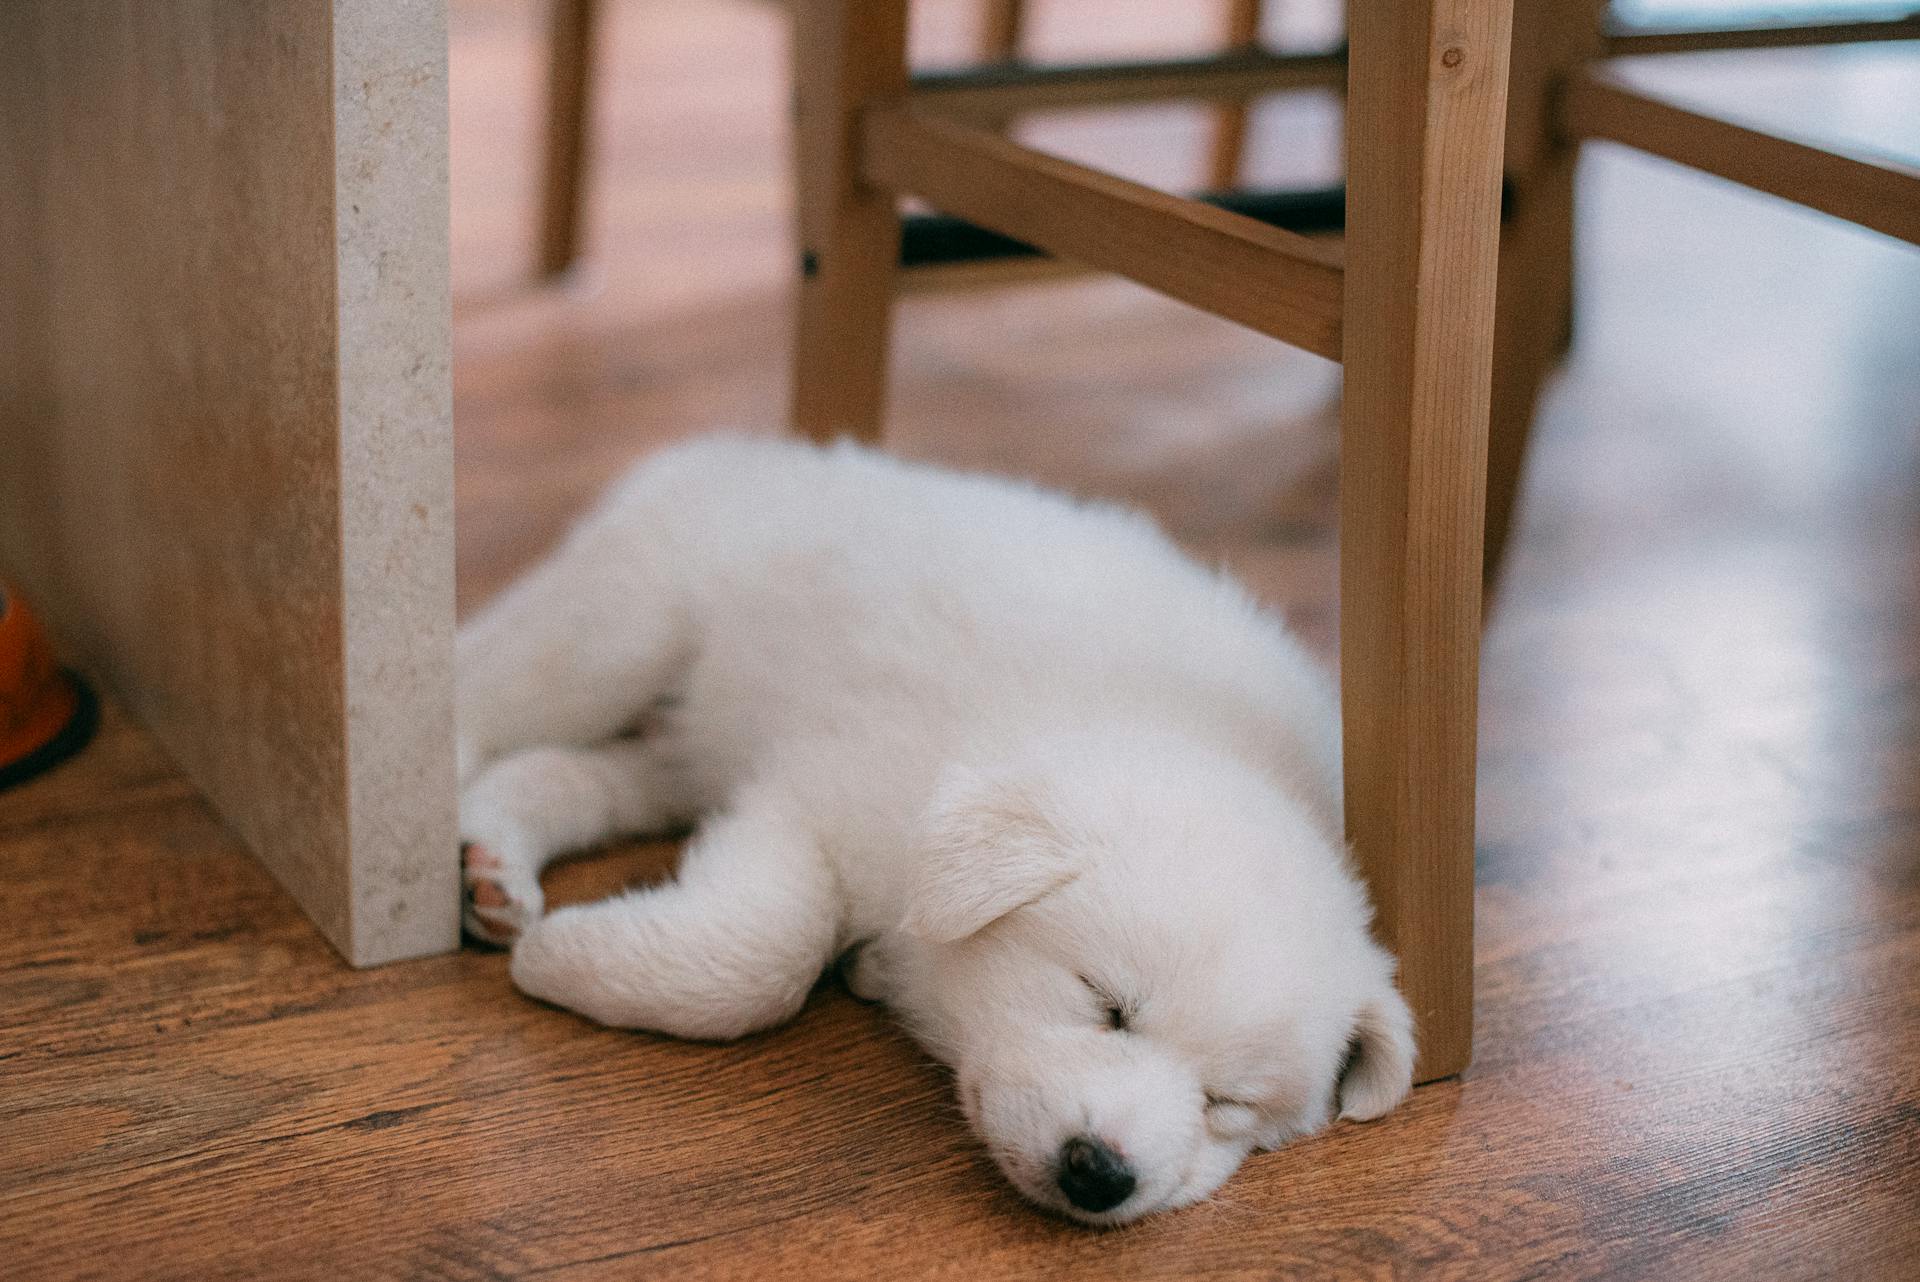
x,y
46,713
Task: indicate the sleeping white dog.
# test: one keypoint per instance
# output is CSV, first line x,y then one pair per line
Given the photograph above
x,y
1070,801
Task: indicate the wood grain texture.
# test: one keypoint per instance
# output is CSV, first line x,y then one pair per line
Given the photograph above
x,y
1426,115
1877,191
225,351
1698,944
1280,283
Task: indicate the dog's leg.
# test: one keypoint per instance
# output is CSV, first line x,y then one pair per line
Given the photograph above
x,y
525,809
573,652
733,945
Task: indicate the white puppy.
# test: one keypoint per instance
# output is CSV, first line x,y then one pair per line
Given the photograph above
x,y
1073,799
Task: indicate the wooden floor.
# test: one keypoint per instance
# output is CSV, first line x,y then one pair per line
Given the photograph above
x,y
1699,903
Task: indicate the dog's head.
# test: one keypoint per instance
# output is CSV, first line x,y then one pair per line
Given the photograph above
x,y
1144,963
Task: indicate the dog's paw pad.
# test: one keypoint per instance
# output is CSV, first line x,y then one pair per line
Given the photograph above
x,y
480,859
488,894
496,910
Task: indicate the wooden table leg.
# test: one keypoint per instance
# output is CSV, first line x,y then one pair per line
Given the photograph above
x,y
847,55
1426,114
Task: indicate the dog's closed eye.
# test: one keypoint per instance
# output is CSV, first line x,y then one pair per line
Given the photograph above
x,y
1227,1116
1115,1011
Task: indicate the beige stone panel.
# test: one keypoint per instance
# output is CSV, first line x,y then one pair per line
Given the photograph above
x,y
225,443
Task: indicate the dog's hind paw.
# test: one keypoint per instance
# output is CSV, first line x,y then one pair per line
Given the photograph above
x,y
501,901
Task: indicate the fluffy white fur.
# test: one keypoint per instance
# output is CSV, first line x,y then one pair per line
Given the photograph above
x,y
1073,800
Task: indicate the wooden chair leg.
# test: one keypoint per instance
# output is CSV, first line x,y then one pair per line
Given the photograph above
x,y
1426,114
1003,29
1535,298
1533,315
847,54
569,86
1230,121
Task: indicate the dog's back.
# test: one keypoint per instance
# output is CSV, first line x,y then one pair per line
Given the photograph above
x,y
844,601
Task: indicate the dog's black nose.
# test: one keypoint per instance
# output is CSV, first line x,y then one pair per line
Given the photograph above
x,y
1093,1176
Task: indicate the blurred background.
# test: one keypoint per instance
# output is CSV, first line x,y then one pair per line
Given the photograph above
x,y
1715,324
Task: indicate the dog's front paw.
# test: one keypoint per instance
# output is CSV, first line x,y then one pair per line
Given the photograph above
x,y
502,898
565,959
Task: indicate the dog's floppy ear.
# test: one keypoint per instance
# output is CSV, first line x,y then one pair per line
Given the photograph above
x,y
989,844
1379,1070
